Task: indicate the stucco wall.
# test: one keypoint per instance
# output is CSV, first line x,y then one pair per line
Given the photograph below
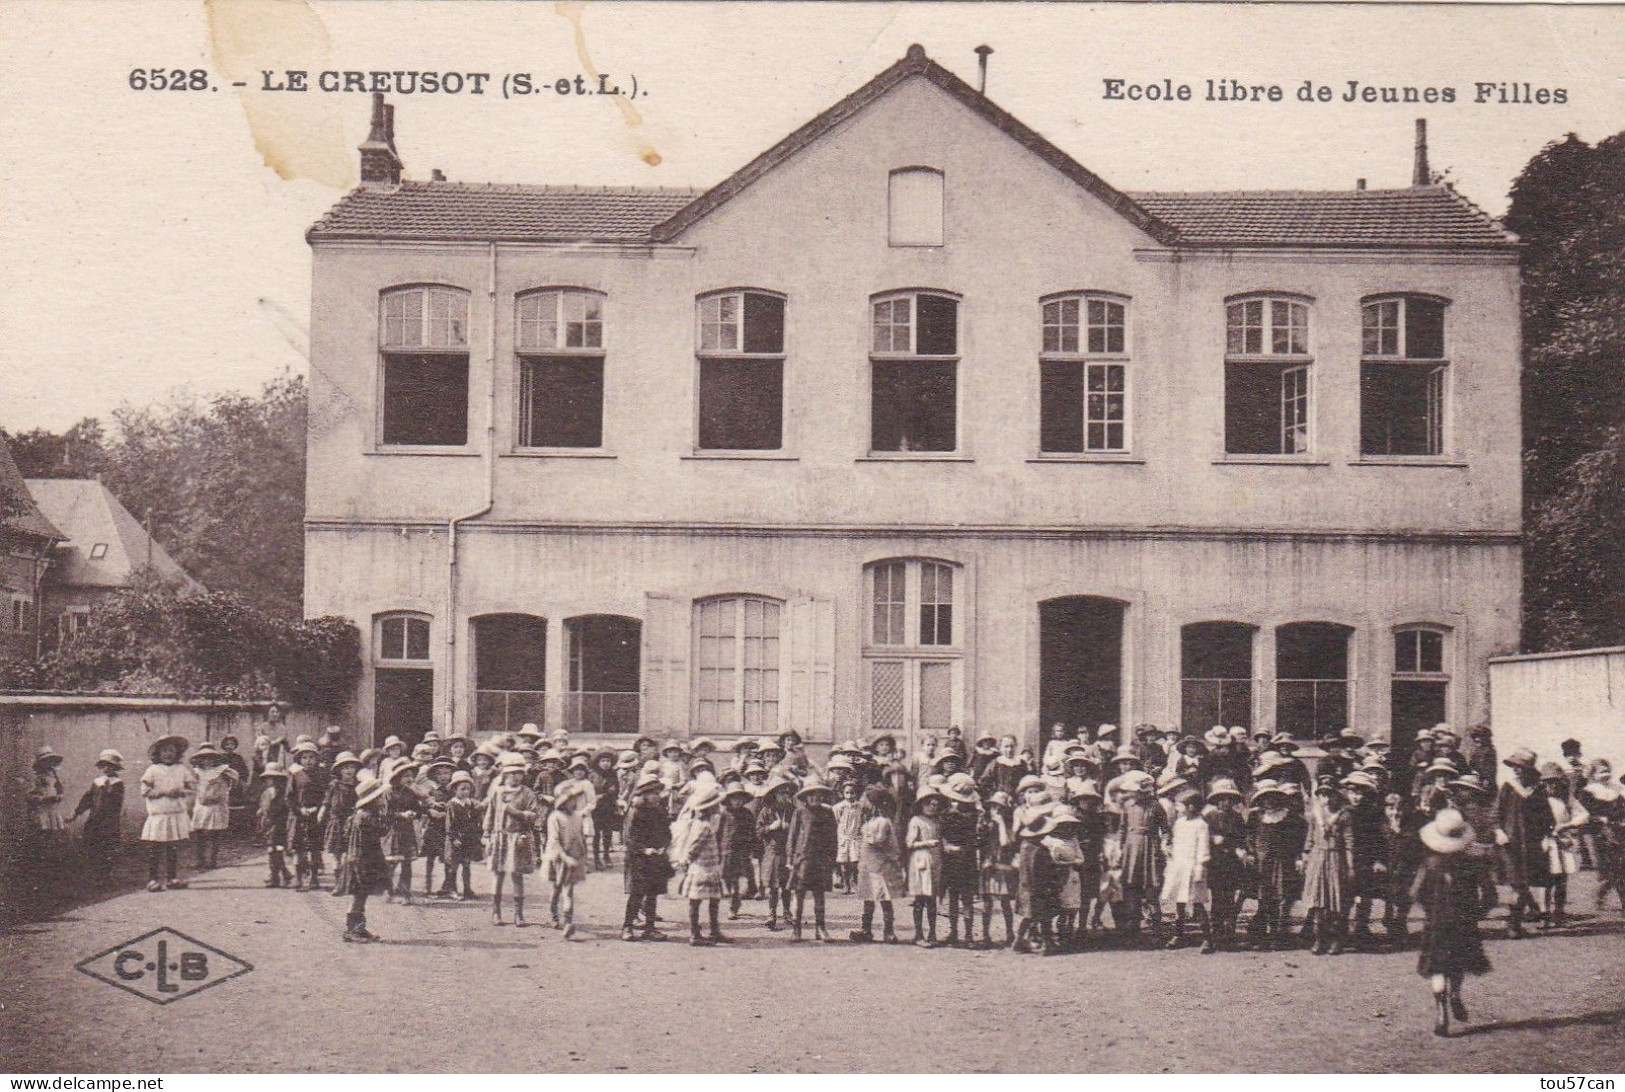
x,y
1166,582
815,229
1539,701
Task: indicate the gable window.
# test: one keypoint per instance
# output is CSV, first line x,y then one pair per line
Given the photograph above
x,y
1083,375
423,337
914,395
1402,376
736,665
559,337
741,386
915,207
98,551
1268,394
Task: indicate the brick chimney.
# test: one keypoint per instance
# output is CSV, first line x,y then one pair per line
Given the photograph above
x,y
380,163
1420,175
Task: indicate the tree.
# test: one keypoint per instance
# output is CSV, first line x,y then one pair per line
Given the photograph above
x,y
1568,207
220,484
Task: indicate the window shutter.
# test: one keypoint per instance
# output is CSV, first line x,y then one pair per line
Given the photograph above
x,y
665,666
812,668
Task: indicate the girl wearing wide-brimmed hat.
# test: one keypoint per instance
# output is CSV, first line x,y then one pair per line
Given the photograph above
x,y
1328,869
880,870
812,845
773,834
1569,818
1523,820
167,787
273,822
334,815
1277,835
465,815
1449,889
44,801
699,852
998,848
102,805
364,872
1603,799
565,857
1226,869
646,840
1038,894
1144,826
1184,882
923,841
211,811
510,836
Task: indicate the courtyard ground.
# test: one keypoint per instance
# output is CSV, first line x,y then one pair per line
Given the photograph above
x,y
447,991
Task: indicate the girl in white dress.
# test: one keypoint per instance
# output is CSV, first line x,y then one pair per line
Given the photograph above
x,y
1569,817
1184,883
167,787
211,814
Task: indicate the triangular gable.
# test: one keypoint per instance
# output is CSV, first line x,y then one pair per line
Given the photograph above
x,y
913,63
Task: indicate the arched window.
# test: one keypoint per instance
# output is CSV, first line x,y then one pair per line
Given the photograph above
x,y
423,343
737,665
915,207
914,367
403,676
1403,375
1268,372
510,671
741,376
1216,666
605,652
1084,374
1419,693
1312,678
559,340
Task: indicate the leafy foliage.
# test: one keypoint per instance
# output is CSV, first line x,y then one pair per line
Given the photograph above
x,y
220,484
153,639
1568,206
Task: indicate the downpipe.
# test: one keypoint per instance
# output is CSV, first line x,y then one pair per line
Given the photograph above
x,y
490,487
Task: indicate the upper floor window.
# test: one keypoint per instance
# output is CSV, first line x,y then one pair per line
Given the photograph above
x,y
741,378
915,207
1084,374
1268,394
1402,376
559,338
914,395
402,637
423,338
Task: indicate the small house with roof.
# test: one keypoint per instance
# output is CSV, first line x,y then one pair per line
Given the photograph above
x,y
26,541
913,421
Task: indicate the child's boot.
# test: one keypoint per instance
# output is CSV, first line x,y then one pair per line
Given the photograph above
x,y
519,913
496,910
1339,928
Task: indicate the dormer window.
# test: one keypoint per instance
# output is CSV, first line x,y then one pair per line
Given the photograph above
x,y
916,207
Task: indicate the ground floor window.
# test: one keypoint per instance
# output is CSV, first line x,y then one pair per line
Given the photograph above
x,y
1216,668
605,673
736,665
1312,679
913,697
510,671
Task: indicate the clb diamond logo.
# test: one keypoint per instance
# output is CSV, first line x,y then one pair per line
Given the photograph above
x,y
163,966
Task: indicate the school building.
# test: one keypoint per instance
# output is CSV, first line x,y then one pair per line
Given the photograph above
x,y
913,421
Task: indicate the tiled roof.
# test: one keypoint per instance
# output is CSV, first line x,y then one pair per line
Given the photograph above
x,y
27,519
456,210
90,515
1421,216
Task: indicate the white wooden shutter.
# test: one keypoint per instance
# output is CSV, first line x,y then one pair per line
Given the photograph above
x,y
812,668
666,621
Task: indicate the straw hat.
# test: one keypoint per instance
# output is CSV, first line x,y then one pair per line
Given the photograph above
x,y
1216,736
1283,743
1469,781
1268,788
815,785
647,782
1238,734
672,745
367,790
110,757
775,783
628,760
1135,781
1195,742
1441,766
1523,756
394,741
743,745
1172,785
530,731
462,777
180,741
839,762
1064,815
1030,781
1125,753
345,758
1448,833
569,791
704,743
511,761
1223,786
1270,760
305,748
1039,825
273,769
1086,789
737,789
705,797
1000,799
1359,780
1551,771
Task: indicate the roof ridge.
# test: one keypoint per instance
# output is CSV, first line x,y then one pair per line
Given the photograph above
x,y
542,187
1277,193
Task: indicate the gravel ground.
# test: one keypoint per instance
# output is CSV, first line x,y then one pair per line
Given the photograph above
x,y
448,992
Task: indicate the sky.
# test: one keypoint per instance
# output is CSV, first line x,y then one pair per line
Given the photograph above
x,y
154,245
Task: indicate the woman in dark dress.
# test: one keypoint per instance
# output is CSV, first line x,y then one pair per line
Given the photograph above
x,y
1524,821
1450,889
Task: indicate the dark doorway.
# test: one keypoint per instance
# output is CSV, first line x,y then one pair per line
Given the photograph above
x,y
1415,706
1080,674
402,704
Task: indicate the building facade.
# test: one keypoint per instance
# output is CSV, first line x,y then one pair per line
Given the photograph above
x,y
913,422
27,539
